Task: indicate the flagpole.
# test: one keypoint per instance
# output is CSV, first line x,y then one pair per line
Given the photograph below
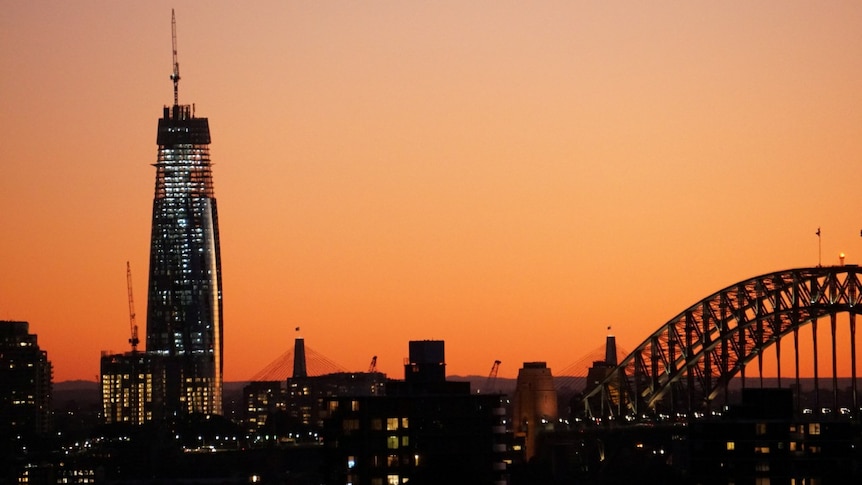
x,y
819,249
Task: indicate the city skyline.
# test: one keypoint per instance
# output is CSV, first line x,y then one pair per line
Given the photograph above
x,y
510,179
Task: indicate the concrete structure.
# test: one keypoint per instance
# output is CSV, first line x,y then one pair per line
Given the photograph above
x,y
534,405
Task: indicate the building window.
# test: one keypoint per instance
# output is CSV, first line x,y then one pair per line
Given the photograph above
x,y
761,429
813,428
392,442
404,423
731,446
354,405
405,441
351,462
391,424
392,480
392,461
376,424
762,450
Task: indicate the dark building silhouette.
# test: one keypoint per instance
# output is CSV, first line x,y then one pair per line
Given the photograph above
x,y
184,303
306,395
261,400
25,383
425,430
534,405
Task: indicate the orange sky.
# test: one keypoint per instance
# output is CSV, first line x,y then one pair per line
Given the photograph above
x,y
509,177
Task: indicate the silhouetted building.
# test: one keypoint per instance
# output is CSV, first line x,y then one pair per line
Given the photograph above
x,y
127,387
761,441
307,395
25,383
262,399
184,304
421,432
534,406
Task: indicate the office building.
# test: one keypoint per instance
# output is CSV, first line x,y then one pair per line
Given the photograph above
x,y
184,303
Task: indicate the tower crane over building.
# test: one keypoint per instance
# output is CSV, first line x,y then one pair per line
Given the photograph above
x,y
133,326
175,75
492,376
373,366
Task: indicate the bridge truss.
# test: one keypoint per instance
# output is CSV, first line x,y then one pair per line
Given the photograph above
x,y
688,362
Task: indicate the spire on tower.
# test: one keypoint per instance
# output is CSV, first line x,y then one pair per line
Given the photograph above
x,y
175,76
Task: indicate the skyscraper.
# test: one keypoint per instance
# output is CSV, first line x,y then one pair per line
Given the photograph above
x,y
184,304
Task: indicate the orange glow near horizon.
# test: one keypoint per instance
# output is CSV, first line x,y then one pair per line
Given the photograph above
x,y
509,178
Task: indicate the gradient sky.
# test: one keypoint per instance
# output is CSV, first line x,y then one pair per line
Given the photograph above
x,y
511,177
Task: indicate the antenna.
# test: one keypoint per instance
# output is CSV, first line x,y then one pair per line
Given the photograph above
x,y
175,76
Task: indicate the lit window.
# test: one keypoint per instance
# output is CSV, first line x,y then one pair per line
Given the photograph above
x,y
813,428
731,446
392,480
392,442
391,424
404,423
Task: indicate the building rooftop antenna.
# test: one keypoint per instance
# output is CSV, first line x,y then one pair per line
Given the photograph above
x,y
175,76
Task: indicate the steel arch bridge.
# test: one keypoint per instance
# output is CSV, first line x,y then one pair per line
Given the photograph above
x,y
688,362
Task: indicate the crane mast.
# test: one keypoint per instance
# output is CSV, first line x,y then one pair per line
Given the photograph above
x,y
175,76
133,327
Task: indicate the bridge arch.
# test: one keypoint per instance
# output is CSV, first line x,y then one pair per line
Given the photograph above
x,y
688,362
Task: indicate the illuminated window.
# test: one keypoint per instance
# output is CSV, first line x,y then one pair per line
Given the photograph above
x,y
762,450
354,405
731,446
392,480
392,461
813,428
351,461
405,441
391,424
392,442
404,423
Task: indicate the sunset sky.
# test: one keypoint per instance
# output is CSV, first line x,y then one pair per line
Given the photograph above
x,y
510,177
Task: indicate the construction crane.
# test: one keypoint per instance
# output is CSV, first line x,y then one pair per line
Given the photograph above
x,y
373,367
133,327
175,76
492,376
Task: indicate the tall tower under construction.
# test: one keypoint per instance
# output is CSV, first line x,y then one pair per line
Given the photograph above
x,y
184,303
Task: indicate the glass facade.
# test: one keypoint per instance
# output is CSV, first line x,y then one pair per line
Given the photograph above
x,y
184,303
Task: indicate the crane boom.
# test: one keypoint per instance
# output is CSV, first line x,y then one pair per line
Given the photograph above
x,y
492,376
373,366
175,76
133,327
